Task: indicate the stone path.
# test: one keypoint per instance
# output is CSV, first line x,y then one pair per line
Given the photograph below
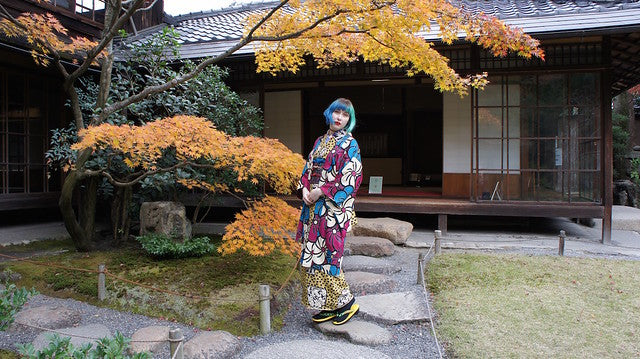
x,y
373,281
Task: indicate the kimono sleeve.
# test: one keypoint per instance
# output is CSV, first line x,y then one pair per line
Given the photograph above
x,y
346,175
304,178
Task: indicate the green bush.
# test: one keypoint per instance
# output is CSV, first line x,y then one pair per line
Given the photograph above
x,y
106,348
12,299
161,246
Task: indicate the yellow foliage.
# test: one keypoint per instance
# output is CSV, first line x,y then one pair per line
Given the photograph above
x,y
382,31
45,33
197,142
262,229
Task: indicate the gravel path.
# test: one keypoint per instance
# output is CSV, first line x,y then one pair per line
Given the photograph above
x,y
409,340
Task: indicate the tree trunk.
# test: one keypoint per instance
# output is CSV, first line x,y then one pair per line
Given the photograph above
x,y
82,240
120,219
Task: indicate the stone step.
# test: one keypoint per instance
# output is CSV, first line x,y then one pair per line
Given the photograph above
x,y
369,264
357,332
394,230
365,282
296,349
81,335
215,344
152,339
47,316
369,246
394,308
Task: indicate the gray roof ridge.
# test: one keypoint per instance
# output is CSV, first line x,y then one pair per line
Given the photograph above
x,y
254,5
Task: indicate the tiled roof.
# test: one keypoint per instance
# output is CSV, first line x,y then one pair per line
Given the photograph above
x,y
210,33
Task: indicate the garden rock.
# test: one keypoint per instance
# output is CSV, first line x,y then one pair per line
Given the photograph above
x,y
152,339
296,349
370,246
168,218
394,230
79,336
357,332
364,282
369,264
47,316
210,345
394,308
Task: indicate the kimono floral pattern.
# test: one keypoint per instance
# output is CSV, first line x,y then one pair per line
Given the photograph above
x,y
322,228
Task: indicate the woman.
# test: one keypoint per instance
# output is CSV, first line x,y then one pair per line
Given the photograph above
x,y
328,186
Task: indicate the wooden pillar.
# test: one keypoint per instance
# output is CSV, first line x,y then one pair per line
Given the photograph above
x,y
442,224
607,137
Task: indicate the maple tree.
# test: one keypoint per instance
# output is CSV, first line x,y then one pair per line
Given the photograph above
x,y
330,31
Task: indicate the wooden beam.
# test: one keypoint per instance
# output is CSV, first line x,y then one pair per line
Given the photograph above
x,y
624,42
607,138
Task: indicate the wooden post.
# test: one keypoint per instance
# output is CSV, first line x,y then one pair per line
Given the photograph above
x,y
561,238
264,297
437,246
442,223
175,341
102,289
420,269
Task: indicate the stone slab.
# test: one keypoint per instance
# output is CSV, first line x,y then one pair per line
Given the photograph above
x,y
370,246
217,344
47,316
394,308
90,333
369,264
365,282
625,218
357,332
394,230
158,333
316,348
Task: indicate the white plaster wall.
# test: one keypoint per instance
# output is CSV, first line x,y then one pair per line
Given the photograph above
x,y
456,133
283,118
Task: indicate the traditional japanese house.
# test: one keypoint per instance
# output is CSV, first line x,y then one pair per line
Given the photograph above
x,y
536,142
32,101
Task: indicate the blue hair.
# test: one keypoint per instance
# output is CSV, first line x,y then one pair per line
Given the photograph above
x,y
344,105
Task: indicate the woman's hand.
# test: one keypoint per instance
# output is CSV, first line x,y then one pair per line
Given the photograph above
x,y
310,197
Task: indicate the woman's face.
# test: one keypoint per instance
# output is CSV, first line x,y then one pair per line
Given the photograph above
x,y
340,119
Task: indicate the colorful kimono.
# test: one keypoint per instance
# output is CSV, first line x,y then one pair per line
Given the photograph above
x,y
334,166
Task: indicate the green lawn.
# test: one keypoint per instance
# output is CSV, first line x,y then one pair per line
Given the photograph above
x,y
230,284
515,306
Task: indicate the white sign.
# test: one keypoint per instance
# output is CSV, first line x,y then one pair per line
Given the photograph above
x,y
375,184
559,156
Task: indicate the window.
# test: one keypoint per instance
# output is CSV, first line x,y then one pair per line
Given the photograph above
x,y
26,115
92,9
538,138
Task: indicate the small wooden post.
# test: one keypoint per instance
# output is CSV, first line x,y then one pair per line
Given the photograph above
x,y
442,223
175,339
102,289
437,246
561,238
420,269
264,297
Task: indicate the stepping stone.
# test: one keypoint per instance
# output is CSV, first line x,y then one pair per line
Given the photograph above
x,y
369,264
370,246
216,344
85,334
357,332
394,230
156,332
365,282
310,348
47,316
394,308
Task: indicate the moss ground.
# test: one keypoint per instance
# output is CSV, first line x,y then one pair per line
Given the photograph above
x,y
228,283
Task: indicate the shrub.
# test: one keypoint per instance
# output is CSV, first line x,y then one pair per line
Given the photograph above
x,y
106,348
162,246
12,299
